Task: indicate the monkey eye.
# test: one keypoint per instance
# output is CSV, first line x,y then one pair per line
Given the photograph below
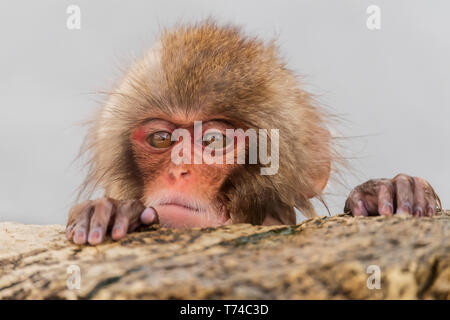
x,y
215,140
160,139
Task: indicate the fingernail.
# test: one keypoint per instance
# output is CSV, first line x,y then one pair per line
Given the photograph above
x,y
387,208
79,237
69,230
148,215
418,212
361,209
94,235
405,208
117,231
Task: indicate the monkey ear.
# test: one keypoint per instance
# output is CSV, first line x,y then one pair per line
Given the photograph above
x,y
318,182
319,162
319,179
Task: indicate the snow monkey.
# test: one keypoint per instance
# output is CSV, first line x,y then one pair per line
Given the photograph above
x,y
210,128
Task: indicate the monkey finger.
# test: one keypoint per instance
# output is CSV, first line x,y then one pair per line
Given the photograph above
x,y
385,202
81,225
357,206
420,202
432,201
127,218
120,227
74,217
404,185
431,208
149,216
100,220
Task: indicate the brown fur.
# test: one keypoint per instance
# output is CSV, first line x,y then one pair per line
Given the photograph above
x,y
217,71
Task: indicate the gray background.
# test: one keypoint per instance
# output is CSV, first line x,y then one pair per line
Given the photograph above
x,y
390,87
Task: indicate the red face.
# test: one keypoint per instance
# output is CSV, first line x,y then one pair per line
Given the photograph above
x,y
184,194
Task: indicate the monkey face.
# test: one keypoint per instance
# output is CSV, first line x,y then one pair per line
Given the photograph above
x,y
183,173
227,80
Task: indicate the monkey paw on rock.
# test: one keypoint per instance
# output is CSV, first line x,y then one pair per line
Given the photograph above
x,y
91,220
402,194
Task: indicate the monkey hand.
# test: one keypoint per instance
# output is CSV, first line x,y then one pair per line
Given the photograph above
x,y
91,220
402,194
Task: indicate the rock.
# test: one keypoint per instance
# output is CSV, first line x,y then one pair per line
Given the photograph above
x,y
324,258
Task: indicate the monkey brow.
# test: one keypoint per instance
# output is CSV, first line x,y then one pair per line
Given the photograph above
x,y
220,120
223,121
147,120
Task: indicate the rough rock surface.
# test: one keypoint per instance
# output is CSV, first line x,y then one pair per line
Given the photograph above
x,y
319,258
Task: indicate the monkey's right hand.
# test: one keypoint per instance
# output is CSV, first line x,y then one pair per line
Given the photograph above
x,y
91,220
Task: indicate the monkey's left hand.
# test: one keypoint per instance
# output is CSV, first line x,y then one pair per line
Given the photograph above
x,y
401,194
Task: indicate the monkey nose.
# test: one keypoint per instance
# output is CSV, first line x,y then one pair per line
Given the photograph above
x,y
178,173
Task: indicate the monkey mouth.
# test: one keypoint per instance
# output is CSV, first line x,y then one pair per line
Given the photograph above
x,y
180,201
176,199
180,211
183,206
